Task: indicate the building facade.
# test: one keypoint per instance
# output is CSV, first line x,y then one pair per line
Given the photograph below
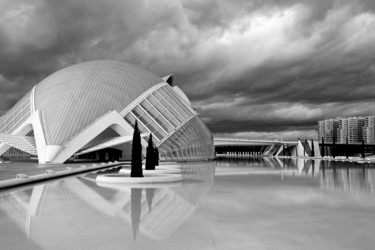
x,y
368,132
327,129
347,129
92,106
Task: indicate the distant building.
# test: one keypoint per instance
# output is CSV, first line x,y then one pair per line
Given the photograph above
x,y
328,130
342,131
347,129
350,128
368,132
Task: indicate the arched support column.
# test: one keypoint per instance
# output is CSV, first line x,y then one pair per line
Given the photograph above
x,y
111,120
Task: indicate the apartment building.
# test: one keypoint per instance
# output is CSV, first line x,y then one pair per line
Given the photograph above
x,y
327,129
368,132
347,129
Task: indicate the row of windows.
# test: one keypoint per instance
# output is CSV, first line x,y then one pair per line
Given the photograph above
x,y
16,115
160,113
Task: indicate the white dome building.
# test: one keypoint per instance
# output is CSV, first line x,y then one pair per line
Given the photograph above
x,y
92,106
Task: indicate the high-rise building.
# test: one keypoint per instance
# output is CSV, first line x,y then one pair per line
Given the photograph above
x,y
328,130
368,132
342,131
350,129
347,129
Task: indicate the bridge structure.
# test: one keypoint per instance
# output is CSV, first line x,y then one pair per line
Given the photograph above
x,y
235,147
349,150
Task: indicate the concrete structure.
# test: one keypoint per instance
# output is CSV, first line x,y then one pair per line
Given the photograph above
x,y
244,148
87,108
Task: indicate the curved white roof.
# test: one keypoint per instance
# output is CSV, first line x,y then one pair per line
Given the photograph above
x,y
74,97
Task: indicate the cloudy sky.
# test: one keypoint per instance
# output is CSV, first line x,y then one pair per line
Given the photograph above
x,y
252,68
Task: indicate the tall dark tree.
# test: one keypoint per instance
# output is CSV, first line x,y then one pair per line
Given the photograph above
x,y
150,162
322,147
136,163
312,148
156,156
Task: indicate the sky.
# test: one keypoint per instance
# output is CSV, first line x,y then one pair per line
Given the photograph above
x,y
257,69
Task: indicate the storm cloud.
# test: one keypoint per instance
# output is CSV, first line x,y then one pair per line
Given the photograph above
x,y
258,68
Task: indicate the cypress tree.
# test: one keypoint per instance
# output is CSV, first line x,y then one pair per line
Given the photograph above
x,y
136,163
150,162
156,157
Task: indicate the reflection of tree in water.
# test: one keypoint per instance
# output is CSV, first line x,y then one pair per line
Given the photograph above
x,y
150,192
136,209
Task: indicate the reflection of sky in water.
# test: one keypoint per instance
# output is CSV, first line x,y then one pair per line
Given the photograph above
x,y
300,205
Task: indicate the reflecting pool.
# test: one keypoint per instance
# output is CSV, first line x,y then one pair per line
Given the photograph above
x,y
258,203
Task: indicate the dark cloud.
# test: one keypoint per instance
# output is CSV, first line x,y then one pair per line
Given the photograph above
x,y
260,66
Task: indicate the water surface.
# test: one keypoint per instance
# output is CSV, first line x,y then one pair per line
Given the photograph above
x,y
262,203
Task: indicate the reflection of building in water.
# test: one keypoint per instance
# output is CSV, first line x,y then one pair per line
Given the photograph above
x,y
348,179
304,166
76,212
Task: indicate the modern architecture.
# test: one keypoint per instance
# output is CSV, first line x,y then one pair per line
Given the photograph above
x,y
88,110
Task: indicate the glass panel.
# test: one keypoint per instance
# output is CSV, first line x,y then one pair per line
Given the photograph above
x,y
192,141
140,118
140,123
161,109
173,95
138,111
130,119
151,121
163,133
156,119
18,117
159,118
169,107
158,135
175,105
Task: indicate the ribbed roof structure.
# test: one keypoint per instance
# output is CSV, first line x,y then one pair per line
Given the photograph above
x,y
74,97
